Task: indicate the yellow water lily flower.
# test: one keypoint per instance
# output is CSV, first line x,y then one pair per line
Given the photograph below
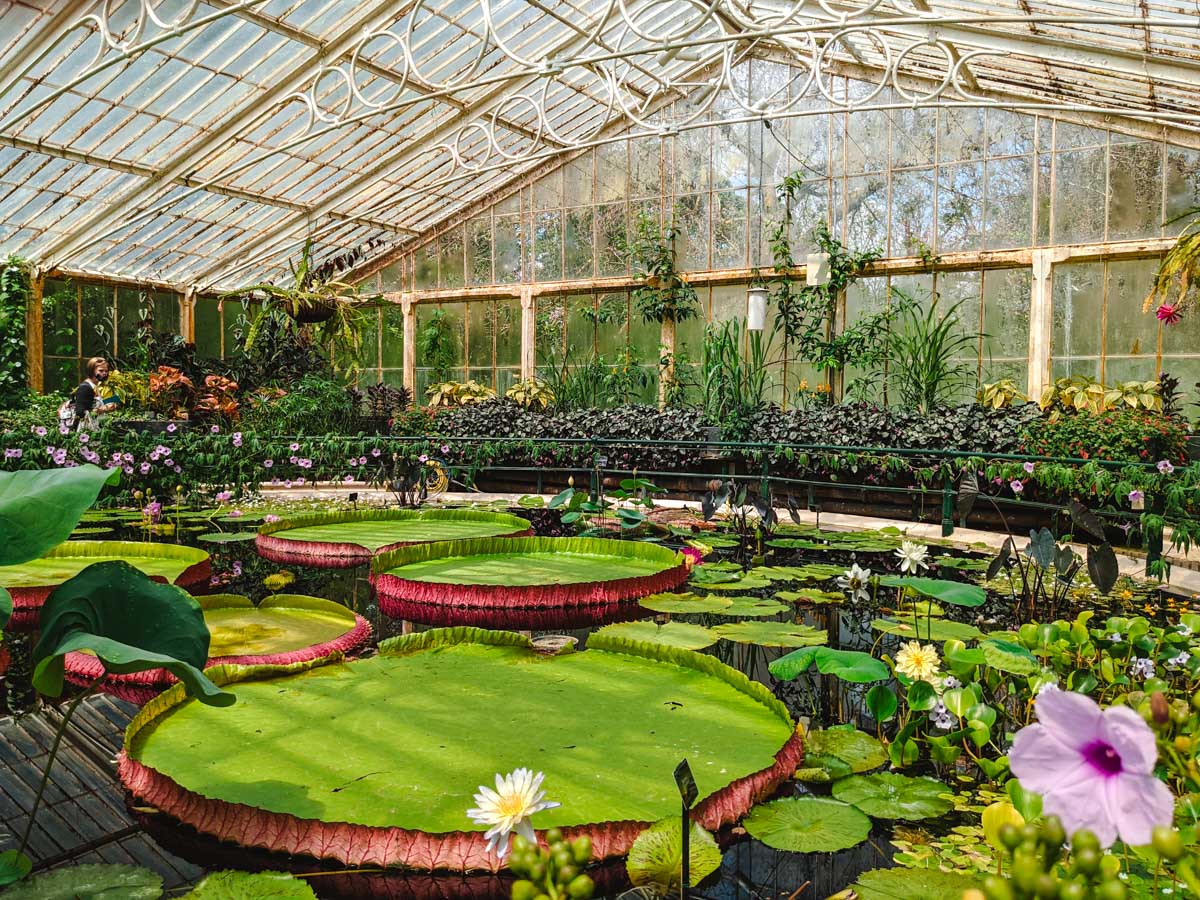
x,y
920,663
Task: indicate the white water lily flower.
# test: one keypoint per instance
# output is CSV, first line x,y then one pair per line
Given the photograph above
x,y
854,582
518,795
912,557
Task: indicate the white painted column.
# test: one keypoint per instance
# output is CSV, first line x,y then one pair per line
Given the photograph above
x,y
1041,318
666,351
528,333
409,308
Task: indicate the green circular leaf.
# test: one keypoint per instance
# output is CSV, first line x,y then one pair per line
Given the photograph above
x,y
887,795
836,752
672,634
808,825
928,629
772,634
227,537
753,607
90,882
684,604
232,885
656,857
912,884
1009,657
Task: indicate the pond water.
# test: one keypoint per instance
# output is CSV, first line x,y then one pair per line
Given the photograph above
x,y
788,578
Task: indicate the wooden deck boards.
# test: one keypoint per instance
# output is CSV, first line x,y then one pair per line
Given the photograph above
x,y
83,817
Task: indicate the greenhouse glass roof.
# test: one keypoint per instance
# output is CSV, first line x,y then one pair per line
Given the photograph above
x,y
200,144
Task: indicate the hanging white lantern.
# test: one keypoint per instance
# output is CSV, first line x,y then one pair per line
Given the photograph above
x,y
756,308
816,269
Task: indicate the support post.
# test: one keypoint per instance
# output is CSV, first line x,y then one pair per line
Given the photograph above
x,y
947,506
666,361
528,333
409,307
1041,319
34,359
187,315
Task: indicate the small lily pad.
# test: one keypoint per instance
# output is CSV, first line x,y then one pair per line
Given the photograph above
x,y
685,603
227,537
833,753
96,882
772,634
656,857
928,629
672,634
91,529
815,596
888,795
808,825
753,607
912,884
233,885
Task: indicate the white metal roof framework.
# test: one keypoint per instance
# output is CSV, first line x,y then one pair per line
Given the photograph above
x,y
200,144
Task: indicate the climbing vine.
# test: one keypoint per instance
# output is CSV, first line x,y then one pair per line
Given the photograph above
x,y
14,299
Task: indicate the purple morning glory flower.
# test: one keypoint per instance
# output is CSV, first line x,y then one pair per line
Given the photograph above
x,y
171,427
144,468
216,429
1136,496
1028,467
40,431
1016,486
1165,467
1094,768
267,463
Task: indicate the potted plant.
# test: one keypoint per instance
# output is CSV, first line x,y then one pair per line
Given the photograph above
x,y
312,299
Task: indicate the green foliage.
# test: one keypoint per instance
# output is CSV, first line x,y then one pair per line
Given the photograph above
x,y
531,393
14,299
848,665
735,386
1080,392
911,884
313,405
131,623
90,882
666,295
656,857
888,795
449,394
234,885
555,872
592,381
40,508
930,355
439,345
808,825
1002,393
832,753
1132,435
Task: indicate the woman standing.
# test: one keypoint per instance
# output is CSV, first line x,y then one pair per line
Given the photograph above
x,y
86,400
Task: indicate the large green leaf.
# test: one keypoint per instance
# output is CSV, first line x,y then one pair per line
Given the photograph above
x,y
848,665
233,885
772,634
40,508
887,795
912,884
672,634
1009,657
808,825
955,593
90,882
833,753
928,629
6,607
753,607
656,857
128,621
14,866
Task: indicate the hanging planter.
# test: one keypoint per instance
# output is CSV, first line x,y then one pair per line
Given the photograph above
x,y
310,313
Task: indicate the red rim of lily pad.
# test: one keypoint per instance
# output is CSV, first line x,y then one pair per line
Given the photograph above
x,y
492,604
364,845
271,541
27,601
140,687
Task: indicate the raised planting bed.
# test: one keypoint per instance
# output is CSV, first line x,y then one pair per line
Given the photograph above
x,y
505,581
30,583
375,762
345,539
283,629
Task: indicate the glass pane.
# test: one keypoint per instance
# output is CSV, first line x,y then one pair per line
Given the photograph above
x,y
1009,206
612,325
865,212
479,250
731,156
867,137
208,328
912,211
729,229
612,172
426,275
509,246
1078,297
960,207
368,357
549,329
166,312
508,332
1134,190
1079,198
392,339
96,329
691,247
913,135
547,246
645,161
60,315
578,242
1131,336
611,240
581,327
961,134
1009,133
1183,185
577,180
237,318
480,326
450,247
1006,294
132,306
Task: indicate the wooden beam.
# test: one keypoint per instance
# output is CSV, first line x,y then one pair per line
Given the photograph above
x,y
34,367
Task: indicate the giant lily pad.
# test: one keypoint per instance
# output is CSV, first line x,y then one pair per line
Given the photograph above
x,y
772,634
808,825
509,575
647,707
656,857
887,795
40,508
129,622
283,629
346,538
30,582
234,885
672,634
